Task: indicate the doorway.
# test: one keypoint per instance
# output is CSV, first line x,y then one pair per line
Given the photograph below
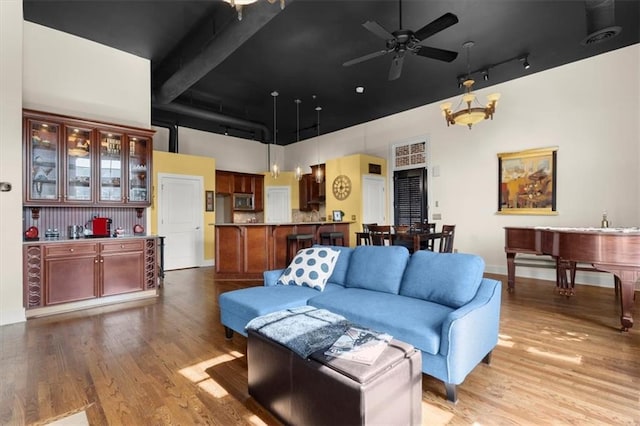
x,y
410,196
180,220
278,204
373,200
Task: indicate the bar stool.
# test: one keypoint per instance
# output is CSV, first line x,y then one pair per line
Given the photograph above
x,y
332,238
295,242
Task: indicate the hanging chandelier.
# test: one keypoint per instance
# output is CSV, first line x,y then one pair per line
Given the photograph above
x,y
275,169
298,172
239,4
469,110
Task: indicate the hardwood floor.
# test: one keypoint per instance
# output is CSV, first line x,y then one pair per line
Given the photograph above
x,y
165,361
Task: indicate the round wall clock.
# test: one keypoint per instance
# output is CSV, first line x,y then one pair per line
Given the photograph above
x,y
341,187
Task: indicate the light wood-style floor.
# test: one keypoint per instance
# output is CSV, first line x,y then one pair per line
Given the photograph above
x,y
559,361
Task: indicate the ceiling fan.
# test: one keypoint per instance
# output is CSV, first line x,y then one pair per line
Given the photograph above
x,y
402,41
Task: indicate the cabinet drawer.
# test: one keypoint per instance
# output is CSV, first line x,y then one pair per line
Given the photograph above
x,y
69,249
116,246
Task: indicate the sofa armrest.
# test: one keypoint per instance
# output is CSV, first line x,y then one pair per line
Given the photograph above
x,y
271,277
471,332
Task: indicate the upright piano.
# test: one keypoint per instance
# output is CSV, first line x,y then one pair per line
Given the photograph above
x,y
614,250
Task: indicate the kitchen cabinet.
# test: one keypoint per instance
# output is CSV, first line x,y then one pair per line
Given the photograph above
x,y
258,193
224,182
311,193
122,267
245,251
70,161
242,183
72,271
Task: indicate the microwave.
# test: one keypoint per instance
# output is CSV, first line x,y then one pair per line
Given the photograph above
x,y
243,202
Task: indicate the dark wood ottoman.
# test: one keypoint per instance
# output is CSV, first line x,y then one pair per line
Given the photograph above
x,y
321,390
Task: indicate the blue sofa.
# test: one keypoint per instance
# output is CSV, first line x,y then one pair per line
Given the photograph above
x,y
438,302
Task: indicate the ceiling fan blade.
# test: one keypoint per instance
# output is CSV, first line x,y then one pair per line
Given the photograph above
x,y
396,67
377,29
435,53
443,22
365,58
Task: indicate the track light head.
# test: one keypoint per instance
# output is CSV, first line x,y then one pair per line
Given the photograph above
x,y
525,62
485,75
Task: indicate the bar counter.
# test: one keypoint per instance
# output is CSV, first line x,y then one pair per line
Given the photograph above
x,y
246,250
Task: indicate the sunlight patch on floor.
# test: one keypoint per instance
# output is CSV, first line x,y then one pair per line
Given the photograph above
x,y
574,359
197,373
563,335
434,416
255,420
505,341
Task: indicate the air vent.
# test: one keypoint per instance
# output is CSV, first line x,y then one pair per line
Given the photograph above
x,y
600,15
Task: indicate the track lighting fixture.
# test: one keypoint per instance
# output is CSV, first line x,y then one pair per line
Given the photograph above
x,y
485,75
525,62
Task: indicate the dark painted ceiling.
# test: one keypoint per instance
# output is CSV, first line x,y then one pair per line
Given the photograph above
x,y
224,70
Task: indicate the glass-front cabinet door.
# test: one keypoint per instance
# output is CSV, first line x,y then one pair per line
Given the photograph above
x,y
110,167
78,182
43,157
138,160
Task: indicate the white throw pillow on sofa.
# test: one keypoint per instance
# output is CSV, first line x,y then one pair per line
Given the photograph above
x,y
311,267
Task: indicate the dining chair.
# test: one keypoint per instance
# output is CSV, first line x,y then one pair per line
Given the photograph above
x,y
446,241
380,235
365,226
428,228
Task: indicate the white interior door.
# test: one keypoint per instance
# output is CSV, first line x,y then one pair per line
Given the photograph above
x,y
373,200
180,202
278,204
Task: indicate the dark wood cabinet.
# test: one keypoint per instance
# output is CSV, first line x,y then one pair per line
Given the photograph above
x,y
122,267
224,182
241,183
70,161
71,272
258,193
311,193
247,250
63,272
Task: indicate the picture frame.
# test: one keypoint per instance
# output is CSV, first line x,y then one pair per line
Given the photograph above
x,y
527,182
209,197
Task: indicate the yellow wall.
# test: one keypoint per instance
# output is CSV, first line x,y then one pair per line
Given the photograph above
x,y
353,166
180,164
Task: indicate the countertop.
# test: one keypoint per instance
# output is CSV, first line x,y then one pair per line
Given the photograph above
x,y
97,239
344,222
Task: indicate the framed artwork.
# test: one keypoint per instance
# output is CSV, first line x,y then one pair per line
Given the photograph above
x,y
527,182
209,197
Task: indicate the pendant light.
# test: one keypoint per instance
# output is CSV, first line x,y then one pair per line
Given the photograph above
x,y
319,175
275,169
298,168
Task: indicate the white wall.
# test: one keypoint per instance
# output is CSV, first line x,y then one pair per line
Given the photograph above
x,y
589,109
48,70
69,75
11,309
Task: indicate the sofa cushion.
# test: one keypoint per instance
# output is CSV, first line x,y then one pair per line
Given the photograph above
x,y
339,275
238,307
451,279
405,318
377,268
311,267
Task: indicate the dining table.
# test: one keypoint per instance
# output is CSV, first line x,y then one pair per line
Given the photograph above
x,y
414,240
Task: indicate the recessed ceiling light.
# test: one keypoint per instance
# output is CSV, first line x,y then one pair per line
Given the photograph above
x,y
359,89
